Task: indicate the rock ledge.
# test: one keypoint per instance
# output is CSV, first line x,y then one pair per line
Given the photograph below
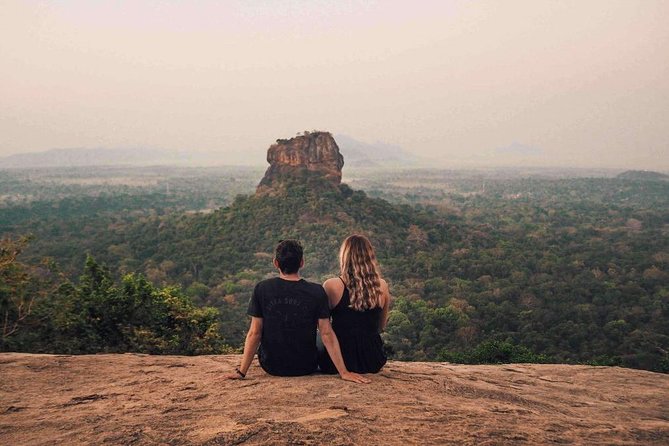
x,y
176,400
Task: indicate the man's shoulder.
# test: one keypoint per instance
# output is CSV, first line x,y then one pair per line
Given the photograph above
x,y
313,287
272,281
305,285
267,285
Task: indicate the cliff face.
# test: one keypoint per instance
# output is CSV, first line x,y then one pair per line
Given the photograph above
x,y
181,400
310,155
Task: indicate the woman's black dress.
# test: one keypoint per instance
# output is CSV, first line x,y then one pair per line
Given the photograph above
x,y
359,340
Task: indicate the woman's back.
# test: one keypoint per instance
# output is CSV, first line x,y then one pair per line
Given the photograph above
x,y
347,320
358,334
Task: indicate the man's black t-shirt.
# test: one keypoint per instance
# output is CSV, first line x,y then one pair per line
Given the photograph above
x,y
290,311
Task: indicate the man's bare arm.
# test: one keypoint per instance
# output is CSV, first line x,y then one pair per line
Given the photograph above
x,y
332,345
250,347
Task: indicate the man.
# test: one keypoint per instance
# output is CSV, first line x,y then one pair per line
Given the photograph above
x,y
284,312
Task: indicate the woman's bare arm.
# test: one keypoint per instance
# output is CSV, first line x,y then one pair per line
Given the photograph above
x,y
386,305
332,345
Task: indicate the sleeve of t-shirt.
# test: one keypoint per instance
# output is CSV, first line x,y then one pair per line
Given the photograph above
x,y
323,305
255,308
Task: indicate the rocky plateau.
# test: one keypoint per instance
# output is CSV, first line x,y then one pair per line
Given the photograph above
x,y
134,399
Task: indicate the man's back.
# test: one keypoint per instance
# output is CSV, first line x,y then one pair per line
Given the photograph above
x,y
290,310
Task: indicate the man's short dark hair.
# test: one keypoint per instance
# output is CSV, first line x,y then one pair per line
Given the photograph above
x,y
289,256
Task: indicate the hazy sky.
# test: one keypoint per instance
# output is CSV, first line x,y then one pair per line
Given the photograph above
x,y
583,83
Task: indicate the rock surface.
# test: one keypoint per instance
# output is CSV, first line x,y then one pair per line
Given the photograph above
x,y
314,153
144,400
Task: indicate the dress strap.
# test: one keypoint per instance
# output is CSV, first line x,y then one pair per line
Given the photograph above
x,y
344,294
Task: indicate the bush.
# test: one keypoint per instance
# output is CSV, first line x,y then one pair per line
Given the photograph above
x,y
494,352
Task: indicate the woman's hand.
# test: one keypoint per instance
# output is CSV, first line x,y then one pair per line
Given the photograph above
x,y
355,377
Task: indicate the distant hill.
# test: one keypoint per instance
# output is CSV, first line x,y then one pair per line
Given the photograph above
x,y
643,175
137,156
362,154
300,196
79,157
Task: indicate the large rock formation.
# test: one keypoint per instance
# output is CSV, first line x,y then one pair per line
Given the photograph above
x,y
312,155
184,400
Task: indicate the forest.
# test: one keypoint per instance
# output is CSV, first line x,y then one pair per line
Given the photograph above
x,y
484,266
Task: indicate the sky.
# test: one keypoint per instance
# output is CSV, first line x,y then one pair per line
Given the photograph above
x,y
460,83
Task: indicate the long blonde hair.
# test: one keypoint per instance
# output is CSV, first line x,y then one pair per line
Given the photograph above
x,y
360,272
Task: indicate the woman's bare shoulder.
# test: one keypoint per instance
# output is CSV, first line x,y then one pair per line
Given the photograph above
x,y
385,294
333,281
333,284
334,288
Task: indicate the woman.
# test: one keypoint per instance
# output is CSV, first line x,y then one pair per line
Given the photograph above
x,y
359,301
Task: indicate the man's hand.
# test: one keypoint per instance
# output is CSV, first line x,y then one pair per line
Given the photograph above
x,y
251,344
355,377
237,375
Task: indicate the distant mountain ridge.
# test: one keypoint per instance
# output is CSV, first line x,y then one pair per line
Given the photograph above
x,y
642,175
358,154
81,157
379,154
